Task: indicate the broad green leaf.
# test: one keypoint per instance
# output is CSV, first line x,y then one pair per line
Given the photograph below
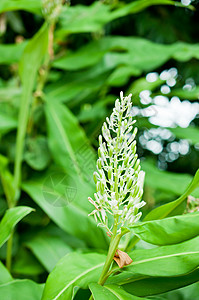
x,y
174,207
80,18
11,53
48,249
33,6
80,59
168,231
10,219
21,290
157,270
73,270
64,199
144,287
110,292
4,274
190,133
67,141
172,260
137,6
138,53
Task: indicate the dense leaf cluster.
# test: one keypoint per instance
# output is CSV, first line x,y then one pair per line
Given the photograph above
x,y
60,77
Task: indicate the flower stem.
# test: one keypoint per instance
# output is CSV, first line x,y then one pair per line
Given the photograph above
x,y
111,252
9,252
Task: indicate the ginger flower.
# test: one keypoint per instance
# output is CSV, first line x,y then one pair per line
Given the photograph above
x,y
119,180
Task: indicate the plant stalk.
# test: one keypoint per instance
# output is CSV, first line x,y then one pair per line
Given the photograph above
x,y
111,253
21,134
9,252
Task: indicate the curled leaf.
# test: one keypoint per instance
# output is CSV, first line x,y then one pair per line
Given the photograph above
x,y
122,258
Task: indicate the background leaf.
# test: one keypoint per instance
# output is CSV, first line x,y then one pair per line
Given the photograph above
x,y
21,289
4,274
33,5
174,207
10,219
48,249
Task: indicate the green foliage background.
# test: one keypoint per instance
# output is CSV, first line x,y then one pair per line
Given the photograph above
x,y
100,48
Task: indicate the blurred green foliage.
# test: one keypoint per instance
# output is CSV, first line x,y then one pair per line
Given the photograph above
x,y
57,85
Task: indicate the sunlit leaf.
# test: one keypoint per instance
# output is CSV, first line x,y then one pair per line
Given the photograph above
x,y
74,270
33,5
168,231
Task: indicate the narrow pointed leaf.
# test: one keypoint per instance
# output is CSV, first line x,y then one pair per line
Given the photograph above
x,y
67,141
4,274
30,62
33,6
10,219
174,207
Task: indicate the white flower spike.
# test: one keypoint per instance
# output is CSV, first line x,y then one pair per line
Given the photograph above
x,y
119,180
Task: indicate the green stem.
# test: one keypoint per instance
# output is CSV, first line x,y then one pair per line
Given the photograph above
x,y
9,252
111,252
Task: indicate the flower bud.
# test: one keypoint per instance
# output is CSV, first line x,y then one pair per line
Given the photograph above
x,y
95,177
99,164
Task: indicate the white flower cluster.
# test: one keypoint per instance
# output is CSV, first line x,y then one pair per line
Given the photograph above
x,y
51,8
119,181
